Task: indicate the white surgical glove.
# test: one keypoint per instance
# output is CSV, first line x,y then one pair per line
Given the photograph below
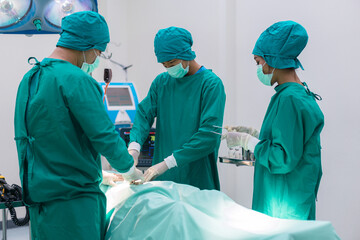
x,y
155,171
134,151
241,139
111,178
135,154
250,130
133,174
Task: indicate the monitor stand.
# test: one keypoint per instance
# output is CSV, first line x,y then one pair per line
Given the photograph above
x,y
122,117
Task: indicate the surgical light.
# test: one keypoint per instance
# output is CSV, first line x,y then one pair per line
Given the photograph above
x,y
13,11
58,9
39,16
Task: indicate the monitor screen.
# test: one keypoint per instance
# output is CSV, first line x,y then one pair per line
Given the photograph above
x,y
147,149
118,96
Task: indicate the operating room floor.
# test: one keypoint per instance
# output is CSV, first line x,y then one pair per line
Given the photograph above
x,y
18,233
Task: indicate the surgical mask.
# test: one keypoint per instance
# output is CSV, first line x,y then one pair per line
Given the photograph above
x,y
264,78
89,68
178,71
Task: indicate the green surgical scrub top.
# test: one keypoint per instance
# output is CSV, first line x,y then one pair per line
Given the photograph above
x,y
288,160
61,129
186,111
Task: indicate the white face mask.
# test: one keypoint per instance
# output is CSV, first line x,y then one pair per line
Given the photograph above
x,y
264,78
89,68
178,71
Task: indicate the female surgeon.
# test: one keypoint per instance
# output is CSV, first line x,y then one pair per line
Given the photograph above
x,y
288,162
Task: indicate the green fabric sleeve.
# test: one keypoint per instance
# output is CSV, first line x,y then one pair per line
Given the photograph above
x,y
205,141
145,114
282,153
85,104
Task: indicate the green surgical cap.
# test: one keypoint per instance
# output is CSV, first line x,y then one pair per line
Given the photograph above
x,y
281,43
83,31
173,43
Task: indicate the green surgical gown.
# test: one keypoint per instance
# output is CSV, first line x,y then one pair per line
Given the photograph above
x,y
288,160
186,111
61,128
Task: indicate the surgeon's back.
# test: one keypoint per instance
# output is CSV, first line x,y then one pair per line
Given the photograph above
x,y
64,160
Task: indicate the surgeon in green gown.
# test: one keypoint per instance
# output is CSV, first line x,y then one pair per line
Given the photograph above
x,y
61,128
288,151
188,103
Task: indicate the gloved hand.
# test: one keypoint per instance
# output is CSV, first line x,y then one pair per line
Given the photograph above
x,y
241,139
133,174
111,178
135,154
155,171
250,130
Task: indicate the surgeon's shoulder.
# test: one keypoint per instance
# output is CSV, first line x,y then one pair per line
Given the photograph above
x,y
292,97
160,79
24,82
72,71
73,77
210,79
29,73
75,74
299,99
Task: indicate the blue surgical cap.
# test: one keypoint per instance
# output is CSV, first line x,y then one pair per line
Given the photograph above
x,y
173,43
83,31
281,44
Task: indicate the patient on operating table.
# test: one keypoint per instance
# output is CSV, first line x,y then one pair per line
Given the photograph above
x,y
167,210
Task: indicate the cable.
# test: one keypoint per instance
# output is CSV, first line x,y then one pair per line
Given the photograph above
x,y
8,204
16,221
107,84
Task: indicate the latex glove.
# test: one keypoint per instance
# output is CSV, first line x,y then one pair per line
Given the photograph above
x,y
250,130
135,154
111,178
241,139
155,171
133,174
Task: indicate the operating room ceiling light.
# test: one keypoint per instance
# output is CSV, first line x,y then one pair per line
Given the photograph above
x,y
12,11
58,9
39,16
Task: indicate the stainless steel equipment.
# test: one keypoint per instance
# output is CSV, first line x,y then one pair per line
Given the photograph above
x,y
239,158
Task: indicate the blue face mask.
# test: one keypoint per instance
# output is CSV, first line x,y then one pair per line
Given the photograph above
x,y
178,71
89,68
264,78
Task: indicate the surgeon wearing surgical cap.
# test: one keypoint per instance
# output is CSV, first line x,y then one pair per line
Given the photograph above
x,y
288,162
61,128
187,101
